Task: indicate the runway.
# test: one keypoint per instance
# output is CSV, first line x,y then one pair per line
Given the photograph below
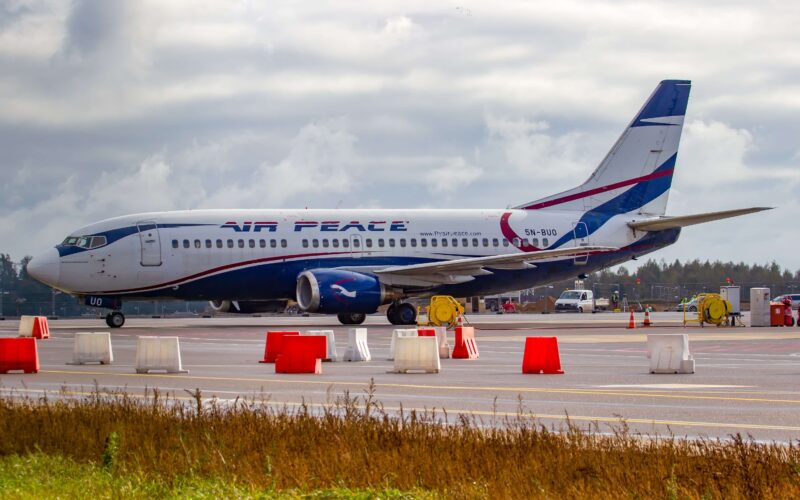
x,y
746,379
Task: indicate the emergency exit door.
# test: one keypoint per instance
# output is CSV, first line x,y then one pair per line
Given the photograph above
x,y
150,243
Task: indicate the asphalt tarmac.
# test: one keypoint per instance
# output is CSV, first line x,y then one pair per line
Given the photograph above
x,y
746,379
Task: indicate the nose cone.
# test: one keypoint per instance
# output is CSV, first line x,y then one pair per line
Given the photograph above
x,y
45,267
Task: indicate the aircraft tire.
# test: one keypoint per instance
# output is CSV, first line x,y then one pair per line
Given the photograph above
x,y
351,318
115,319
391,315
406,314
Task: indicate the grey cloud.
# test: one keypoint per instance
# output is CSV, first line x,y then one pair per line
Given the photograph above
x,y
222,98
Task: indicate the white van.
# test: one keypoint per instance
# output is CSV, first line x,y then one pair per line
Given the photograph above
x,y
575,301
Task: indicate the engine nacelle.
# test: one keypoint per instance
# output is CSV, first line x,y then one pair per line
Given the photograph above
x,y
248,306
333,291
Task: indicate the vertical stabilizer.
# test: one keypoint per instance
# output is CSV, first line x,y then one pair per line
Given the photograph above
x,y
635,176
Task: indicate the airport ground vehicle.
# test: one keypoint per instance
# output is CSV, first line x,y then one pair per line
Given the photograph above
x,y
690,306
350,262
794,297
575,301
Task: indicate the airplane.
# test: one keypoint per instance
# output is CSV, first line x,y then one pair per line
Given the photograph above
x,y
349,262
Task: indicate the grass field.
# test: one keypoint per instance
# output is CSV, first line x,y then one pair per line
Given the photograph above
x,y
122,446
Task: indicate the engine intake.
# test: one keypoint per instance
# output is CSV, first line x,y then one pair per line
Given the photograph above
x,y
333,291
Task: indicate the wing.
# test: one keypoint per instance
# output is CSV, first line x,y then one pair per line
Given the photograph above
x,y
661,223
463,270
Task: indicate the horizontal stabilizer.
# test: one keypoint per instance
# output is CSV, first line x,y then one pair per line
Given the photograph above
x,y
661,223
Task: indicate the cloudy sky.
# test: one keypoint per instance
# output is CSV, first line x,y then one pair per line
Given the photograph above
x,y
109,108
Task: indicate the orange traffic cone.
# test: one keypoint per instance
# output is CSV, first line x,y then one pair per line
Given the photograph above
x,y
631,322
647,321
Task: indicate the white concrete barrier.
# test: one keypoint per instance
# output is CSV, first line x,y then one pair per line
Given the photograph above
x,y
400,333
669,353
158,353
26,326
444,345
357,348
416,354
92,347
330,342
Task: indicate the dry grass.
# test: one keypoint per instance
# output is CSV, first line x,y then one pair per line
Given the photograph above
x,y
354,444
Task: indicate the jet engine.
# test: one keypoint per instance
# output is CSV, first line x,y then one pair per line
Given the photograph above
x,y
333,291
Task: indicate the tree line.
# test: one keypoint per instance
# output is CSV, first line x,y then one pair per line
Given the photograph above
x,y
654,281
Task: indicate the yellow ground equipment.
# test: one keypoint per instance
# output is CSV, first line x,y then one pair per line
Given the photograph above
x,y
444,310
712,309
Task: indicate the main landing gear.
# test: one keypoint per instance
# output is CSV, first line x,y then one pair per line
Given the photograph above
x,y
351,318
115,319
402,313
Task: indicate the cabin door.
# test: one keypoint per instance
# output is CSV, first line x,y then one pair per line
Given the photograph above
x,y
150,243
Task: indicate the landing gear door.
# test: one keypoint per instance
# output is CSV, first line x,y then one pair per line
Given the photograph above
x,y
581,233
150,243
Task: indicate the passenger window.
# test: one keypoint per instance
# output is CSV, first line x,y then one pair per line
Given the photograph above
x,y
186,244
208,244
535,242
413,242
262,243
381,243
434,242
495,242
335,243
325,243
464,242
525,242
273,243
346,243
175,244
251,243
230,243
583,296
283,244
423,242
356,243
475,242
391,242
486,242
455,242
517,242
305,243
505,242
403,242
197,244
219,243
315,243
369,242
444,242
241,243
545,242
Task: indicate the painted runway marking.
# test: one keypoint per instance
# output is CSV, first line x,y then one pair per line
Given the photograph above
x,y
592,392
673,386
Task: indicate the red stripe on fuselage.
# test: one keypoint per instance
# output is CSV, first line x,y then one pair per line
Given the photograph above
x,y
216,270
602,189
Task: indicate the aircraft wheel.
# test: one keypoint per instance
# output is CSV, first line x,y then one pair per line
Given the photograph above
x,y
391,315
115,319
406,314
351,318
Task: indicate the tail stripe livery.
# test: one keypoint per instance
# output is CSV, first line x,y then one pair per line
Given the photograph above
x,y
643,157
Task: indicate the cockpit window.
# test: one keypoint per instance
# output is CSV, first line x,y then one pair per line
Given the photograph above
x,y
98,241
87,242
